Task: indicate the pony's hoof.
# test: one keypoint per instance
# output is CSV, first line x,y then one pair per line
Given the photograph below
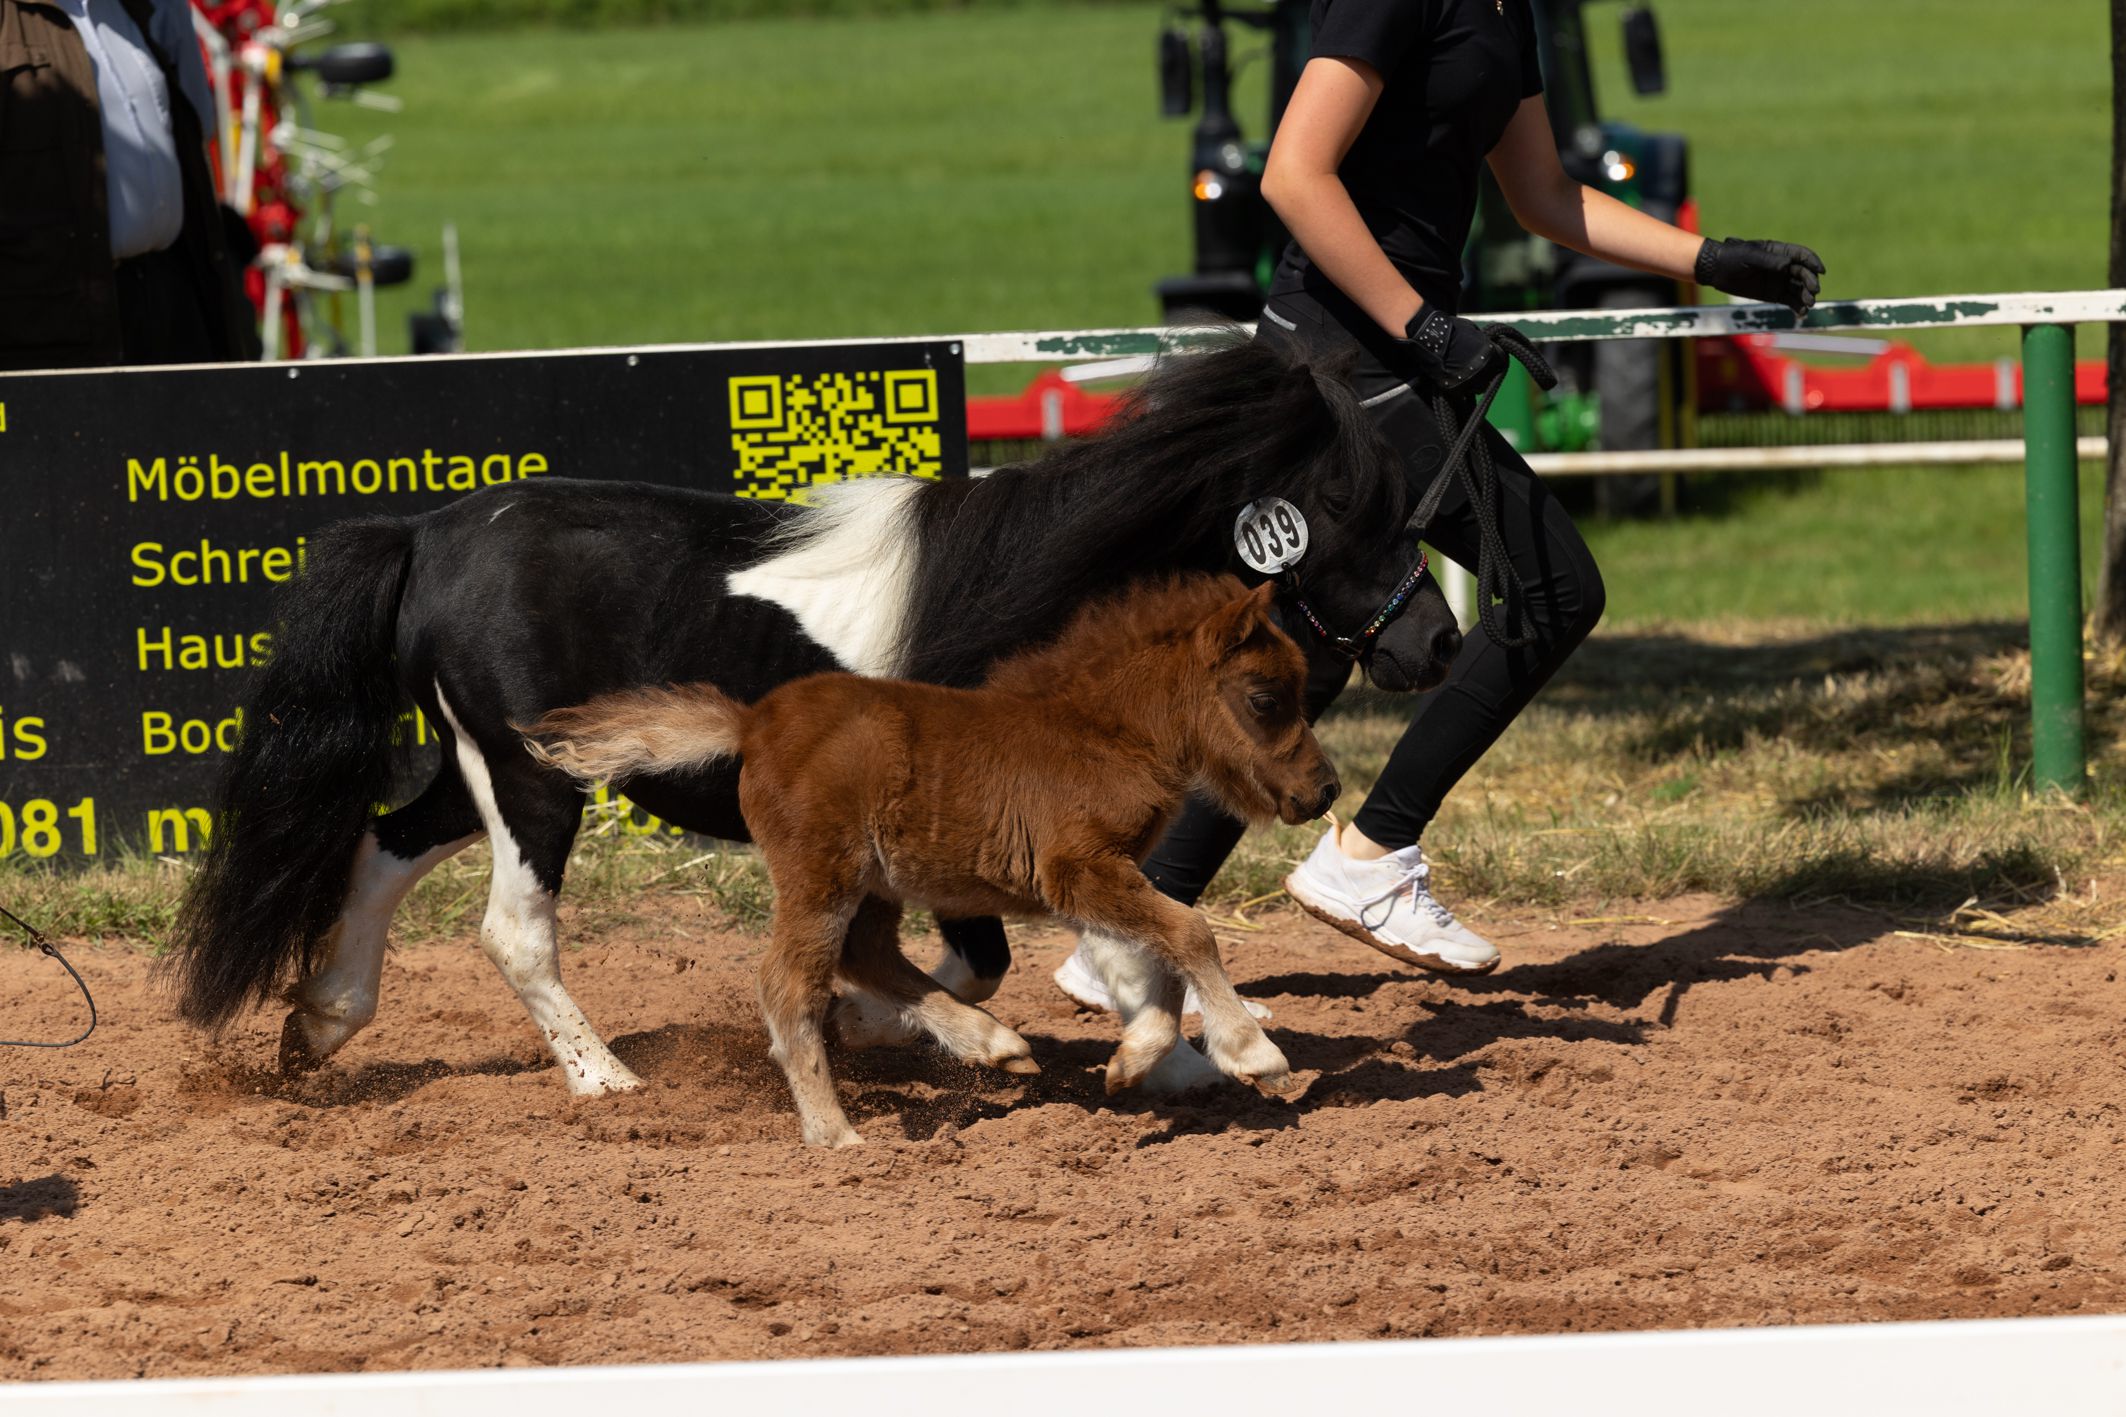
x,y
827,1139
605,1083
297,1056
1024,1067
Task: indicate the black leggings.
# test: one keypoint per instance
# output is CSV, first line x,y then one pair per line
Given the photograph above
x,y
1489,684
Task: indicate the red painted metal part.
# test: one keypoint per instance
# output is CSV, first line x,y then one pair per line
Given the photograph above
x,y
1749,373
1050,407
273,213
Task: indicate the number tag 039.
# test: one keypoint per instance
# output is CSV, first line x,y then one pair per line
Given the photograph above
x,y
1271,535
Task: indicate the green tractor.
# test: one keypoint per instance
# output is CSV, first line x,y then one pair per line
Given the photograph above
x,y
1613,394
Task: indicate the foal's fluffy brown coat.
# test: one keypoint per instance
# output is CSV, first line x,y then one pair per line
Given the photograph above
x,y
1038,793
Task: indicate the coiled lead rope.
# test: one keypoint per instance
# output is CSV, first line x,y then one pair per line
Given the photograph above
x,y
1471,460
37,941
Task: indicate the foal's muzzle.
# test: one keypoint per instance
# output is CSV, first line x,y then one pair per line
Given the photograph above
x,y
1306,806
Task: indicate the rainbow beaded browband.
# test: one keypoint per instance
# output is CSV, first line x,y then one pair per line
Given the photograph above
x,y
1355,646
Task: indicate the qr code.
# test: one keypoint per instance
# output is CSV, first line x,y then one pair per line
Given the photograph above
x,y
800,431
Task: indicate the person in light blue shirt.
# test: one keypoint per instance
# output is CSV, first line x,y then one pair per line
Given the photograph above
x,y
145,189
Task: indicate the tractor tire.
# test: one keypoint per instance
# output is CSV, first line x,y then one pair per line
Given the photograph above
x,y
1627,381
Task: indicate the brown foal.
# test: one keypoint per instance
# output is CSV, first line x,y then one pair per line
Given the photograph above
x,y
1036,794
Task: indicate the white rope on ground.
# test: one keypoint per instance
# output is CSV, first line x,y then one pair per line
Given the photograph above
x,y
1945,1369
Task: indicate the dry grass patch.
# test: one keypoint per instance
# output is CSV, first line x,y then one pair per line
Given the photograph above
x,y
1882,767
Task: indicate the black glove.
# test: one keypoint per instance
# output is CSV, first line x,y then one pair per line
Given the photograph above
x,y
1777,272
1448,352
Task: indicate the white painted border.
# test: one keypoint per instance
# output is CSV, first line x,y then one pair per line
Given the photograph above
x,y
1827,455
2052,1366
1912,312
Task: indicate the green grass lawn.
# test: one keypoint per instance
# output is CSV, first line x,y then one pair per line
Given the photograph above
x,y
1922,146
792,179
994,169
1878,546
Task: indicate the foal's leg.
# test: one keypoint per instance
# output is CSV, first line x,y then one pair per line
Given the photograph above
x,y
973,965
874,963
796,985
339,998
531,815
1112,895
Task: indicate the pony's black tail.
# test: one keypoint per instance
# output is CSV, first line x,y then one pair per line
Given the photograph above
x,y
314,758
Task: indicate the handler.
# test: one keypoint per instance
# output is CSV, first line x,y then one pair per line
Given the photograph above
x,y
1374,172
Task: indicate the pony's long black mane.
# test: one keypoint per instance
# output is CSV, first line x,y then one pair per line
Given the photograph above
x,y
1004,561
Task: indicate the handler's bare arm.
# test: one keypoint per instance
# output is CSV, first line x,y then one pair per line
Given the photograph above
x,y
1331,103
1552,205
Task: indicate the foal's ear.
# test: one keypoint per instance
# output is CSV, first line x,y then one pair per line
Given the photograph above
x,y
1231,624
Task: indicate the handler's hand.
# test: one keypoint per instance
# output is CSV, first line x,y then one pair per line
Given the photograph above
x,y
1777,272
1448,352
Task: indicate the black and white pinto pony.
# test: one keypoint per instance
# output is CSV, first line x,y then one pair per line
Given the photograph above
x,y
527,597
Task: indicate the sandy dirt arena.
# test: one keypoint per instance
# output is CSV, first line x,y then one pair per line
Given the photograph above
x,y
1698,1114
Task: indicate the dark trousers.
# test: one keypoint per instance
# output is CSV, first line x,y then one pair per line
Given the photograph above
x,y
1453,725
159,315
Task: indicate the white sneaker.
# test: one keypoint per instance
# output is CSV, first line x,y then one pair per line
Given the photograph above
x,y
1388,904
1077,978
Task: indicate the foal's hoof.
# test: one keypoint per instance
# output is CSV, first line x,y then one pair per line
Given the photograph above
x,y
1257,1063
1011,1053
1273,1084
1134,1062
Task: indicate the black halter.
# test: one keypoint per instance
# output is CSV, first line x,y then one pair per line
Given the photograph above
x,y
1354,647
1494,570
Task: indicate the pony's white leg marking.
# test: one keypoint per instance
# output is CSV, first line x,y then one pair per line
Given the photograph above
x,y
518,935
958,976
339,1000
846,570
1137,980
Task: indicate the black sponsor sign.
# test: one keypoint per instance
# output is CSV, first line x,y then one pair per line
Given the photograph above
x,y
146,515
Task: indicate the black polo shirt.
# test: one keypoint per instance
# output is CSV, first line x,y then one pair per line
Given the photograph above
x,y
1454,72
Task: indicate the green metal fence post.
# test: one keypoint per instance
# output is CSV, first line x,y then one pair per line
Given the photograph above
x,y
2049,472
